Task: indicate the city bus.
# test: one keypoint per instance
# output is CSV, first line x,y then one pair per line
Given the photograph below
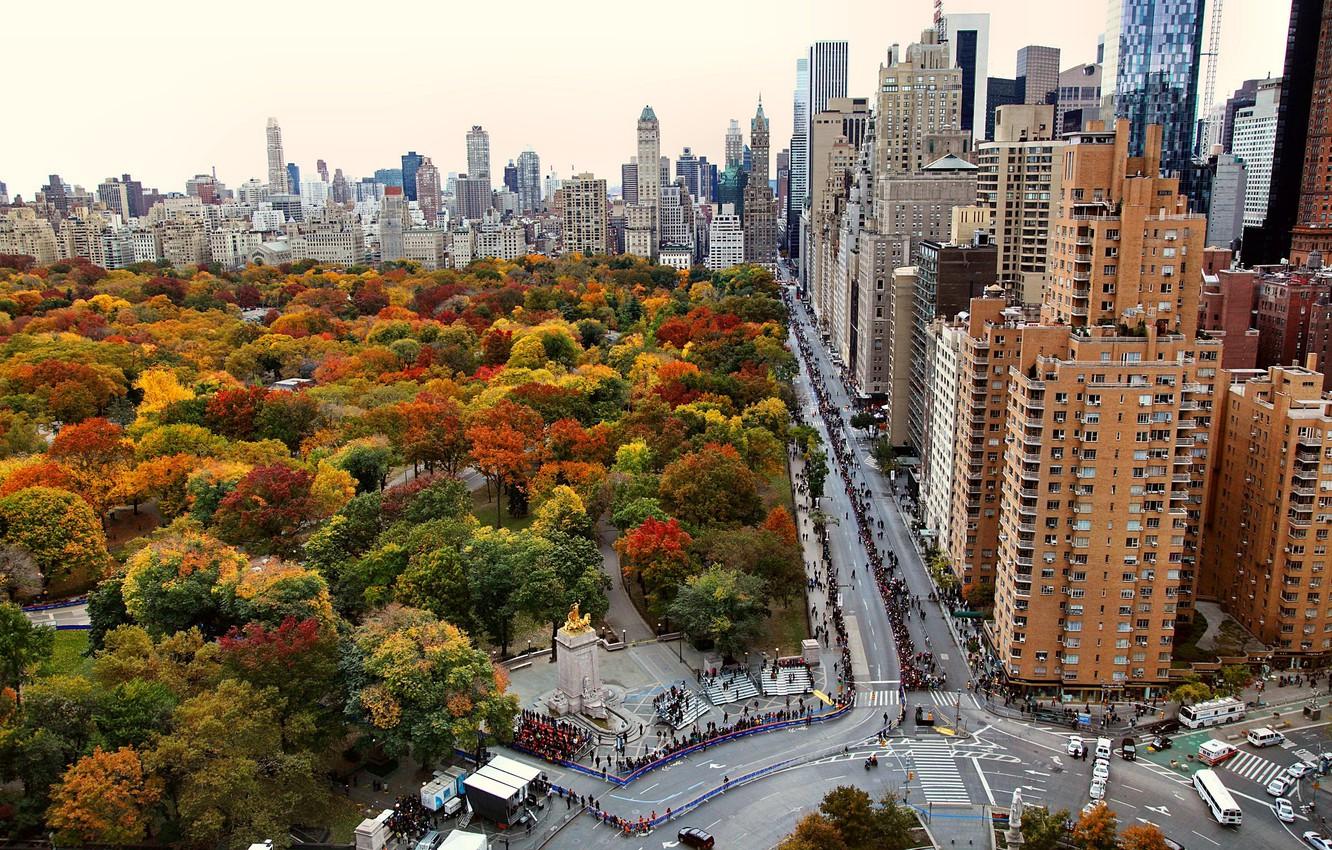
x,y
1214,712
1214,794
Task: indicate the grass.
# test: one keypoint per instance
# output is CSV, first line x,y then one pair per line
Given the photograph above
x,y
343,817
785,627
483,508
68,657
1186,641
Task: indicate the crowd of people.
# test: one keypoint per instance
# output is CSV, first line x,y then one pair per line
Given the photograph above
x,y
675,705
410,820
551,739
919,666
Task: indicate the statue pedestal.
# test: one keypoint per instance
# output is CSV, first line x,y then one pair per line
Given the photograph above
x,y
578,676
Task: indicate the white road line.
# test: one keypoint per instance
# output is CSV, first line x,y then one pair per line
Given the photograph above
x,y
989,795
1200,835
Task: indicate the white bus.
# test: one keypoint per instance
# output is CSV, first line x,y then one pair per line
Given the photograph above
x,y
1214,794
1214,712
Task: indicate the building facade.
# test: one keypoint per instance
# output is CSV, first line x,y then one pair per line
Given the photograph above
x,y
585,215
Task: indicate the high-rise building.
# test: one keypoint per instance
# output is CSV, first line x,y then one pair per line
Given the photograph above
x,y
726,240
394,219
1246,95
1018,182
629,181
322,168
999,91
1078,99
529,181
913,129
1227,178
827,73
686,169
115,196
1159,47
1038,74
478,154
735,144
293,179
649,181
410,162
798,189
1265,550
1313,226
760,219
472,195
392,177
511,177
836,135
277,174
782,173
428,190
340,188
968,49
584,215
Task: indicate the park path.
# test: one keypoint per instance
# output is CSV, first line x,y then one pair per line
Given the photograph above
x,y
622,616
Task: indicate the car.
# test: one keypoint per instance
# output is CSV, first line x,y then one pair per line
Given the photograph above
x,y
1299,770
1171,844
692,836
1284,811
1075,745
1278,787
1317,841
1161,742
1092,806
1097,790
1101,770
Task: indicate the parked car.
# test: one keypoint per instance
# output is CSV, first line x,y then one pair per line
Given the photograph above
x,y
1284,811
1316,841
1092,806
1299,770
1171,844
1161,742
1278,787
1101,770
1075,746
1097,790
692,836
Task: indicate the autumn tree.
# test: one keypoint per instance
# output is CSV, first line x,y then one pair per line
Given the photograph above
x,y
105,798
434,435
97,454
711,486
814,832
656,553
1143,836
1043,829
422,687
182,580
234,413
506,447
61,533
722,605
267,507
289,417
1097,829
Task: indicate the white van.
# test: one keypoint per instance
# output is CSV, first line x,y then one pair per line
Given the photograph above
x,y
1103,746
1264,736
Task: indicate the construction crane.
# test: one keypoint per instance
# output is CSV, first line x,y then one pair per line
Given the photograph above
x,y
1213,54
940,25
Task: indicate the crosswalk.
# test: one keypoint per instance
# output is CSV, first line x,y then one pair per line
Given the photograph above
x,y
1254,767
876,698
945,699
937,773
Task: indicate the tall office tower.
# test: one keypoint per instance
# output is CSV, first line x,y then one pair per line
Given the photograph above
x,y
649,178
322,168
1038,74
1265,550
1226,177
584,215
4,194
760,217
472,195
410,162
827,73
968,49
999,91
511,177
529,181
836,135
1306,51
1253,141
428,196
686,169
293,178
914,128
677,223
1313,226
782,173
726,240
629,181
735,144
393,177
394,218
799,185
1246,95
1018,183
1156,74
1117,215
478,154
115,196
1079,98
277,174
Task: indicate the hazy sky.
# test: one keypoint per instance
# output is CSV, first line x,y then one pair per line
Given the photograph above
x,y
165,90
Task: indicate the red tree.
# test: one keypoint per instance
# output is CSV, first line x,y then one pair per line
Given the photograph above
x,y
268,505
232,413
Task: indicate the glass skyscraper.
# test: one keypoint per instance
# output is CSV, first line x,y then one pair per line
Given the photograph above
x,y
410,162
1156,81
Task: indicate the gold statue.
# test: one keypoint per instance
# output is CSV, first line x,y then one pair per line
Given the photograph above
x,y
576,624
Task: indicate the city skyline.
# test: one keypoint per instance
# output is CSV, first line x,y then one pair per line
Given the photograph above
x,y
758,59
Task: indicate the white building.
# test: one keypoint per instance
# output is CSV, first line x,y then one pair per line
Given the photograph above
x,y
499,240
427,246
333,241
959,30
943,346
1254,141
726,240
462,246
231,248
22,232
675,257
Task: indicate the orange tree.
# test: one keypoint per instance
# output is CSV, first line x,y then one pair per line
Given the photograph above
x,y
656,553
105,798
506,448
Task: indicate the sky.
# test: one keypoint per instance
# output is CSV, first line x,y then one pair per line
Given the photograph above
x,y
168,89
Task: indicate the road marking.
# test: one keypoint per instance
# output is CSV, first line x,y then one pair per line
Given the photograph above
x,y
1131,788
989,795
1200,835
1122,803
1160,810
714,823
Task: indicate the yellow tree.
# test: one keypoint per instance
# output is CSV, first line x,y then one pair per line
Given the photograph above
x,y
160,388
104,798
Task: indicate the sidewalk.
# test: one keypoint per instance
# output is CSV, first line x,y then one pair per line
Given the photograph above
x,y
622,616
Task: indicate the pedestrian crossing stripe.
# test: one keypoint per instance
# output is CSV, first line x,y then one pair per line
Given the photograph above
x,y
946,699
876,698
1253,767
937,772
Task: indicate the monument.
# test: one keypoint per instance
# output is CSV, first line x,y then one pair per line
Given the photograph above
x,y
578,674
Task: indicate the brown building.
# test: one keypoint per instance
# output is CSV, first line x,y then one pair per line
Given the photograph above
x,y
1285,302
1112,205
1226,313
1269,524
1313,224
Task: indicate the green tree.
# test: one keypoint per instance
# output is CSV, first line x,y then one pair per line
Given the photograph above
x,y
132,712
894,823
61,532
23,646
711,486
1234,679
816,472
567,570
436,581
722,604
1190,692
884,454
497,563
1043,829
632,513
851,811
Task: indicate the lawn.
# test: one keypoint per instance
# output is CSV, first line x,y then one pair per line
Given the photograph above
x,y
784,628
68,658
483,508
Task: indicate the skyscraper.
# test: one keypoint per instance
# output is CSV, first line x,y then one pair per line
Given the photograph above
x,y
529,180
969,49
585,214
427,190
629,181
322,168
1253,140
1156,76
511,177
293,178
760,218
472,195
1313,224
1038,74
277,174
478,153
410,162
735,144
686,168
649,178
827,74
799,171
